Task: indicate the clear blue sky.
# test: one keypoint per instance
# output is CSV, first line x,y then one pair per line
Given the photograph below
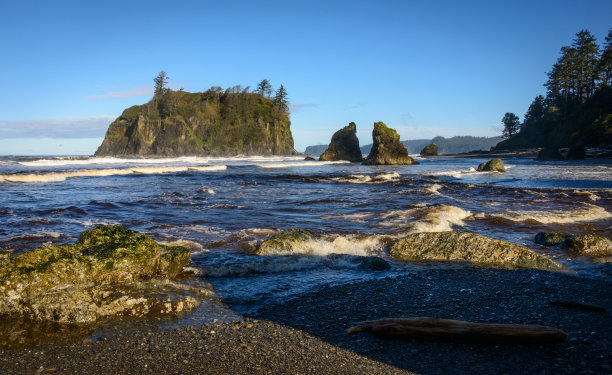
x,y
426,68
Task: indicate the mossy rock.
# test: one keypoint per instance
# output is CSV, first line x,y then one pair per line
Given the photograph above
x,y
103,256
551,238
430,150
387,148
493,165
282,242
589,244
458,246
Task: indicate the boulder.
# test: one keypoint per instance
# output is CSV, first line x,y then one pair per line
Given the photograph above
x,y
344,145
387,148
111,270
468,247
551,238
309,158
430,150
589,244
493,165
549,154
280,243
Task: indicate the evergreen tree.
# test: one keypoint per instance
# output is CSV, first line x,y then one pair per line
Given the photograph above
x,y
585,64
280,99
161,83
264,88
511,125
605,62
535,113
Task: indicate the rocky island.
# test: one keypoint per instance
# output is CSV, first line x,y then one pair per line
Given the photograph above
x,y
214,122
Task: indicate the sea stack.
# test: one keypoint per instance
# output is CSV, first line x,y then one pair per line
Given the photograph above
x,y
430,150
387,148
344,145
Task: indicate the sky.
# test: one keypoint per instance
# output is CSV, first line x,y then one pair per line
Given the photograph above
x,y
425,68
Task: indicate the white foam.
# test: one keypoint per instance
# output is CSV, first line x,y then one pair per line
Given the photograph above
x,y
387,176
55,162
589,212
353,179
433,189
191,245
585,193
62,176
300,164
426,218
456,174
325,246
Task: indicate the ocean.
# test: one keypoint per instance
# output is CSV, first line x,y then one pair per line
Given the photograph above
x,y
221,208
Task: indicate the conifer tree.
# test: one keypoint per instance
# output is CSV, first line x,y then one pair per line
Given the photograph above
x,y
511,125
161,83
280,99
264,88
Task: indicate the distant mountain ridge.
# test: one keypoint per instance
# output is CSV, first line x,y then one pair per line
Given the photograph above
x,y
453,145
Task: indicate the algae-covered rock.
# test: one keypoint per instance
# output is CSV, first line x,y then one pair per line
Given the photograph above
x,y
282,242
589,244
387,148
430,150
105,273
551,238
468,247
493,165
344,145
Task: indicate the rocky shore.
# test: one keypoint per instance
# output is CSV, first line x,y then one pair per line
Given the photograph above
x,y
307,335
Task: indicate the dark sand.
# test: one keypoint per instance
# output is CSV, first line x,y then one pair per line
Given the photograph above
x,y
308,334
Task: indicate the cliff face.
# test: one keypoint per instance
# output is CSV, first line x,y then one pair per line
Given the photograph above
x,y
209,123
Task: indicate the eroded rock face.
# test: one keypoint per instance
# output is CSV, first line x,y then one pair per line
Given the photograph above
x,y
111,270
344,145
280,243
493,165
468,247
589,244
387,148
430,150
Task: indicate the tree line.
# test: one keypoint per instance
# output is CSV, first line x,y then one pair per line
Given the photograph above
x,y
264,88
580,78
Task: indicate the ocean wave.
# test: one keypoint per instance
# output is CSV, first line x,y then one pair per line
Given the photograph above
x,y
64,161
426,218
589,212
456,174
300,164
366,179
327,245
433,189
194,247
62,176
587,194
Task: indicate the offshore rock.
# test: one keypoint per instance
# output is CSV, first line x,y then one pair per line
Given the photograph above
x,y
387,148
468,247
493,165
430,150
549,154
309,158
344,145
214,122
111,270
551,238
589,244
280,243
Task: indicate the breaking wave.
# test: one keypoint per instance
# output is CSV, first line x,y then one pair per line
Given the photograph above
x,y
57,162
301,164
426,218
589,212
62,176
349,245
366,179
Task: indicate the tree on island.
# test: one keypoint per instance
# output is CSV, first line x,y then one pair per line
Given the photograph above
x,y
161,84
511,125
264,88
605,63
280,99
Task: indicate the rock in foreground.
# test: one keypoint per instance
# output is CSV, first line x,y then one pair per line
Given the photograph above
x,y
493,165
589,244
430,150
280,243
344,145
387,148
551,238
468,247
111,270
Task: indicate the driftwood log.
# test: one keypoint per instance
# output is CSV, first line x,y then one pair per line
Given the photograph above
x,y
577,305
461,331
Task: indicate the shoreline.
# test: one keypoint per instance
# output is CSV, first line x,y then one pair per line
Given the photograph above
x,y
307,334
